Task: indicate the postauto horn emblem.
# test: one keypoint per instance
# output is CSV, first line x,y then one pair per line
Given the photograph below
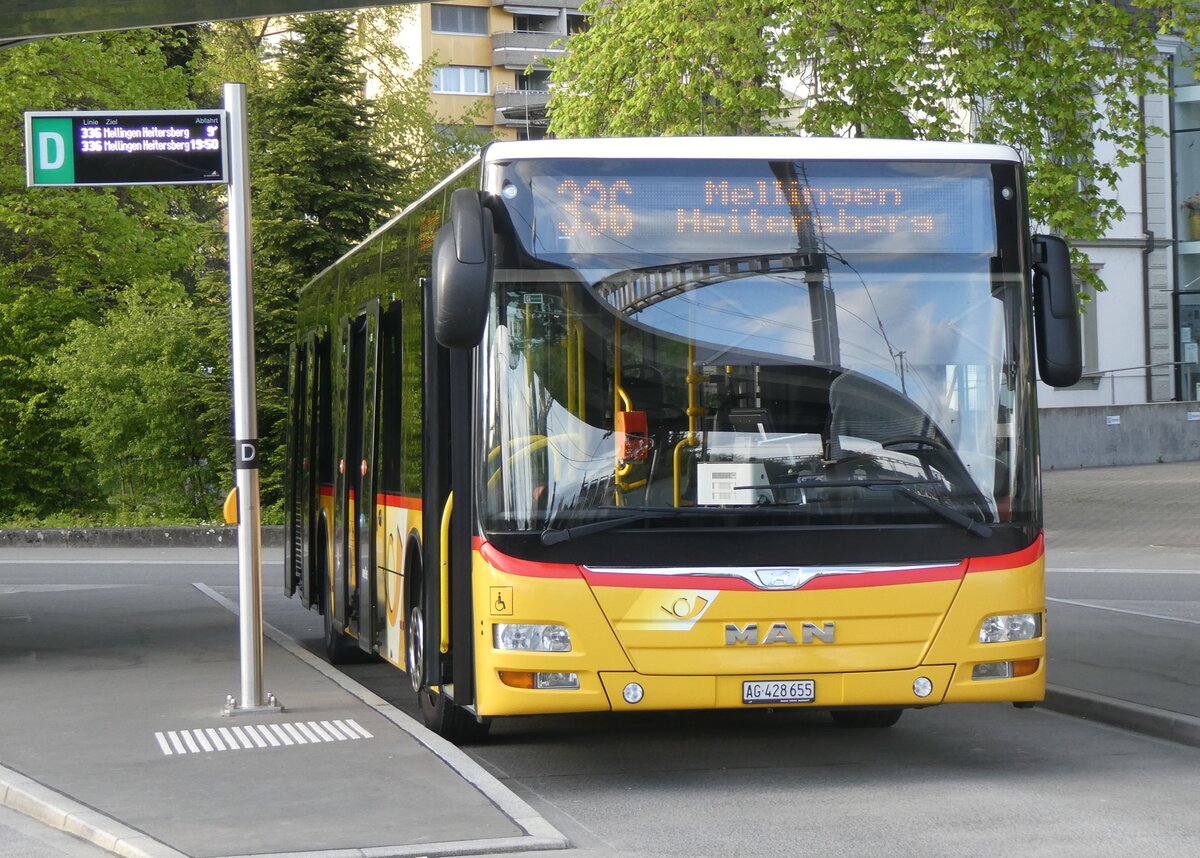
x,y
777,633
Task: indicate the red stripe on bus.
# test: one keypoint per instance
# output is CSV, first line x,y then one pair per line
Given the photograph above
x,y
527,568
401,501
888,578
664,582
1016,560
325,491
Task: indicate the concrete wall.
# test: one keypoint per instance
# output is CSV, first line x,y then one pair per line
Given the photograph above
x,y
1120,435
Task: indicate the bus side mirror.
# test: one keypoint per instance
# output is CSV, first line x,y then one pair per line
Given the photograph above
x,y
462,272
1055,313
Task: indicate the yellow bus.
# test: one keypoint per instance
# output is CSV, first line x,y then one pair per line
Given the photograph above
x,y
660,424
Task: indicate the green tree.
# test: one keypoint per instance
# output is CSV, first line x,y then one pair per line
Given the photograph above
x,y
138,393
320,185
66,254
1052,78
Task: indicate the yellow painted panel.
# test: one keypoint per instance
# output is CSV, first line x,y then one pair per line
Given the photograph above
x,y
875,628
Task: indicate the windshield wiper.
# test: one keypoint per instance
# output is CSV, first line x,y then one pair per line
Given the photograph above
x,y
552,536
904,489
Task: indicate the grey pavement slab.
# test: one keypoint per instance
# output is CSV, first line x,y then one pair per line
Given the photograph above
x,y
1123,596
106,690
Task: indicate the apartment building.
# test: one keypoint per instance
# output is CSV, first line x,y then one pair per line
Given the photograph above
x,y
494,52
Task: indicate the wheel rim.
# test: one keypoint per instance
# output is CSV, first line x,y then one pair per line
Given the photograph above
x,y
416,648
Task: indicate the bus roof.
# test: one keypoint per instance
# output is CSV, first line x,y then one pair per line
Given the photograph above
x,y
756,148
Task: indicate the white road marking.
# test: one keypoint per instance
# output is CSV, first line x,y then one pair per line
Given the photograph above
x,y
1124,611
333,731
308,734
203,740
316,728
354,725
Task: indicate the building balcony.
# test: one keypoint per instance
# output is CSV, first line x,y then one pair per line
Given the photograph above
x,y
519,107
518,7
518,50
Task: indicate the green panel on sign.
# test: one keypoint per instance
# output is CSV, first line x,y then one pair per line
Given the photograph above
x,y
53,142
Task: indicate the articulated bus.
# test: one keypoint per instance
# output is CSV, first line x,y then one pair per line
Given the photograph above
x,y
661,424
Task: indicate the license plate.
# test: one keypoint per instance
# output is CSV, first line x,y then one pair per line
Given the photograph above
x,y
779,691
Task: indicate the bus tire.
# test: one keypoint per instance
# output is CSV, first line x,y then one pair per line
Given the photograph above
x,y
450,721
865,718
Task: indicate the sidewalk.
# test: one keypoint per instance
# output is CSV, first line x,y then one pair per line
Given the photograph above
x,y
109,729
1123,596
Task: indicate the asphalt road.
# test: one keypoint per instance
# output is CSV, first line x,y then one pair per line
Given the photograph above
x,y
950,780
944,781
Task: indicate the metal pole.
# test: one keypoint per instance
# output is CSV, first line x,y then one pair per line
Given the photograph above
x,y
245,418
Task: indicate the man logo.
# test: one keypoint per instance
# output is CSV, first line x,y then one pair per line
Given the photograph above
x,y
778,633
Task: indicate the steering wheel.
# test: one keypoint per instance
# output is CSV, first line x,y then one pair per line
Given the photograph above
x,y
919,440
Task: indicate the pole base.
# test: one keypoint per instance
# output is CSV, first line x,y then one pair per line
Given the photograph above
x,y
232,707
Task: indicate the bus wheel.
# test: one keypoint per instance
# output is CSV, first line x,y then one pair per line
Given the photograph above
x,y
451,722
876,718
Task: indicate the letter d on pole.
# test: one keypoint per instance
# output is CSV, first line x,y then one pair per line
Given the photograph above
x,y
245,418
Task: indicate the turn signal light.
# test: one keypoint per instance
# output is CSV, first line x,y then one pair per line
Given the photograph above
x,y
1005,669
530,680
517,678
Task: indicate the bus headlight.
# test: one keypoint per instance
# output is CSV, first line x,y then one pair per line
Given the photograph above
x,y
1003,628
531,637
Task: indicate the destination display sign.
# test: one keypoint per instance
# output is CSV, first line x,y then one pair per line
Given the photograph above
x,y
155,147
860,206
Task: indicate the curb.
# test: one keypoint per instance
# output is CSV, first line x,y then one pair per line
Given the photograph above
x,y
56,810
1148,720
133,537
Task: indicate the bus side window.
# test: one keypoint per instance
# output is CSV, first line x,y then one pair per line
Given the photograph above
x,y
392,396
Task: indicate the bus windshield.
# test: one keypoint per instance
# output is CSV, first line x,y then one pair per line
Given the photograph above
x,y
822,344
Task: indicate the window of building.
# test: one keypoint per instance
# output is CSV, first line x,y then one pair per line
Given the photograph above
x,y
1089,337
469,20
537,80
462,80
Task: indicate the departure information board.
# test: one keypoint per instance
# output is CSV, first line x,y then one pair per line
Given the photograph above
x,y
159,147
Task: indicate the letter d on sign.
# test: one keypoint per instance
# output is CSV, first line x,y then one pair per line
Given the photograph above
x,y
51,158
52,150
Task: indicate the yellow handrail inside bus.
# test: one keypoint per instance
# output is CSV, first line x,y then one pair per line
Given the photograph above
x,y
694,413
580,396
621,402
444,558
